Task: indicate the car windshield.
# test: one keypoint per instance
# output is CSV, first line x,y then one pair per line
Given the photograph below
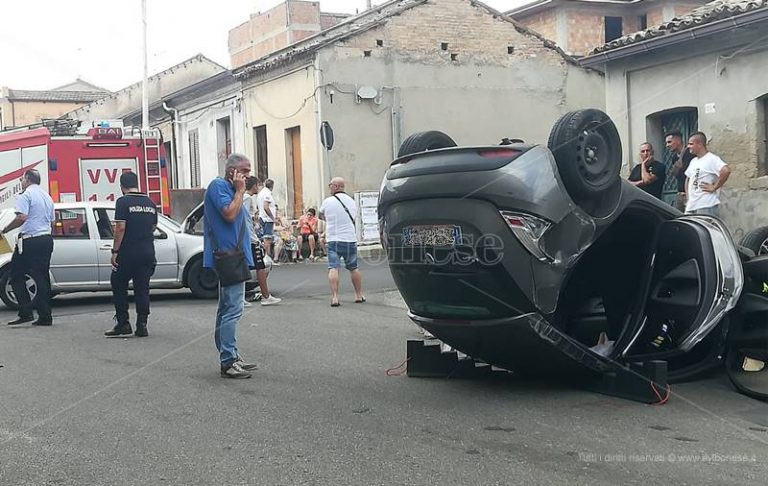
x,y
170,223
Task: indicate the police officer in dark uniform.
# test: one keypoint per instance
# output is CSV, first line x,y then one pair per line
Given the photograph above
x,y
133,255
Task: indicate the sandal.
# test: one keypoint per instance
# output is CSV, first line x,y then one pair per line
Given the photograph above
x,y
360,301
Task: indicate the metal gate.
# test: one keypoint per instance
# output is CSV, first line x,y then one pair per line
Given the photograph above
x,y
686,122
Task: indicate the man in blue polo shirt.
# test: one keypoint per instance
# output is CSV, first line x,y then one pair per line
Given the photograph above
x,y
225,221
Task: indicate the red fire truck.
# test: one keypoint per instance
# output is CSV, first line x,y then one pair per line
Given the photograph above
x,y
83,164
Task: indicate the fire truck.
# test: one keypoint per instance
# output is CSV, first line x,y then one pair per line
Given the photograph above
x,y
78,163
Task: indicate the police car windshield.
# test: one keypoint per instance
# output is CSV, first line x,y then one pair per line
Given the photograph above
x,y
170,223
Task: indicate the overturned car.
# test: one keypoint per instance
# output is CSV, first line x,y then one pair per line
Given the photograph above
x,y
541,260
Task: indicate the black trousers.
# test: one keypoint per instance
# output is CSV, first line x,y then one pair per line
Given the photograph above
x,y
35,261
139,266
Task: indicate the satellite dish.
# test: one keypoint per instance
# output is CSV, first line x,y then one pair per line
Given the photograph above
x,y
367,93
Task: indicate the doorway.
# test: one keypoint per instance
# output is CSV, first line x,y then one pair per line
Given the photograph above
x,y
684,120
260,149
295,183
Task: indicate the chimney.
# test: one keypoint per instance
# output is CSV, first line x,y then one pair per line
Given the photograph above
x,y
367,4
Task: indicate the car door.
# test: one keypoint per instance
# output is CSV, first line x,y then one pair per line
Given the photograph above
x,y
166,255
696,279
74,263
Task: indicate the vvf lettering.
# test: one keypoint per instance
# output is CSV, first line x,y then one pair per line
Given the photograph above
x,y
111,174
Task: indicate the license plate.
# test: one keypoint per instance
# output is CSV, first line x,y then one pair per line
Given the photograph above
x,y
432,235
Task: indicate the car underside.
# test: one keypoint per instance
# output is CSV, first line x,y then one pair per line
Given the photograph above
x,y
541,260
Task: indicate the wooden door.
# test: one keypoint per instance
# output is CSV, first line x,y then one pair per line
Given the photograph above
x,y
295,172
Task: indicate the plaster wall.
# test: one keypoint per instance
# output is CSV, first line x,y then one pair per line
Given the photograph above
x,y
727,88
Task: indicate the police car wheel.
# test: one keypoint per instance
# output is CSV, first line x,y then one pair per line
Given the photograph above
x,y
203,282
6,290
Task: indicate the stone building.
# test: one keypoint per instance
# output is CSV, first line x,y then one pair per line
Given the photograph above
x,y
578,26
401,67
702,71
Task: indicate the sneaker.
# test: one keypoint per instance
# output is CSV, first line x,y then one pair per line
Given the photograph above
x,y
234,371
271,300
247,304
246,366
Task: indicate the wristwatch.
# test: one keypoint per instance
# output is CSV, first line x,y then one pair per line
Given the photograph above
x,y
114,252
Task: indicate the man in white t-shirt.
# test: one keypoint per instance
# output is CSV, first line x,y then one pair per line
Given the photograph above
x,y
705,175
267,209
341,239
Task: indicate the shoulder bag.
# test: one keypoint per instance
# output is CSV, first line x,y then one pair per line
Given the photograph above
x,y
230,265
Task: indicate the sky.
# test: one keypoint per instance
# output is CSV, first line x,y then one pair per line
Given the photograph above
x,y
49,43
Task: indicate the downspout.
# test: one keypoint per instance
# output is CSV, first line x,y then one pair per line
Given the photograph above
x,y
13,113
174,117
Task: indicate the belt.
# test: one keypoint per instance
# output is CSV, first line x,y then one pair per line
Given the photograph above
x,y
25,237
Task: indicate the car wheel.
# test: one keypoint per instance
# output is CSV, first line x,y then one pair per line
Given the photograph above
x,y
6,290
587,150
757,240
423,141
203,282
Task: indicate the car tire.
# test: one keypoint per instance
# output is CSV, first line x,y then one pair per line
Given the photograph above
x,y
5,289
423,141
587,150
203,282
757,240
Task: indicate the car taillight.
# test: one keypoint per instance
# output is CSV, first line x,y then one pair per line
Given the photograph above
x,y
528,230
499,153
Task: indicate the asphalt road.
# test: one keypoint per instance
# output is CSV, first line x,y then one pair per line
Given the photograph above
x,y
76,408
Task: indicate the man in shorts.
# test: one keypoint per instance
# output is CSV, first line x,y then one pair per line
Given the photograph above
x,y
265,203
249,203
337,211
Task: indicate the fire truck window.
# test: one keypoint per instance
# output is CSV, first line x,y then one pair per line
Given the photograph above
x,y
105,222
70,224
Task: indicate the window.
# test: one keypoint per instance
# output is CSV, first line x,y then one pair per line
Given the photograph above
x,y
260,149
194,158
642,22
105,223
613,28
70,224
223,141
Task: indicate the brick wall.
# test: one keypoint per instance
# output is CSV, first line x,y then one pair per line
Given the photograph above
x,y
545,23
328,20
272,30
586,30
655,16
460,22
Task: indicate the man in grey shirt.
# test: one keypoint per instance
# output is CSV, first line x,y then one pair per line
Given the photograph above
x,y
32,256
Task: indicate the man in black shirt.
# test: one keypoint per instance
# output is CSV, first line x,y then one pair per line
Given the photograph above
x,y
650,174
681,158
133,255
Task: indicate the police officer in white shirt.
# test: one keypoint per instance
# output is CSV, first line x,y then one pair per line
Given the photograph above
x,y
337,211
34,246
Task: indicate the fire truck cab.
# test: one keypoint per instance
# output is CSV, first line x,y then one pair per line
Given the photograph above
x,y
79,163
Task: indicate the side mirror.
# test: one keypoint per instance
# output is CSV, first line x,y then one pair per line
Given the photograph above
x,y
160,235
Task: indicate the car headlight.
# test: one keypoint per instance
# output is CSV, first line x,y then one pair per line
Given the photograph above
x,y
528,230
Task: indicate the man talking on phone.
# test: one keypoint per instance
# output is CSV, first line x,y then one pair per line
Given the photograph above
x,y
133,255
225,226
